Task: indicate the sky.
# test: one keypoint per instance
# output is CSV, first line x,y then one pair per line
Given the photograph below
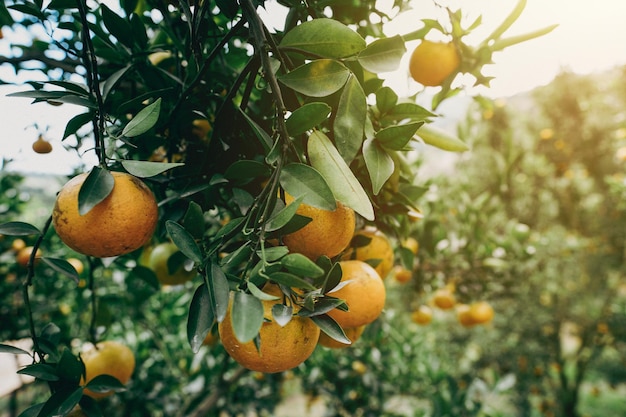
x,y
589,38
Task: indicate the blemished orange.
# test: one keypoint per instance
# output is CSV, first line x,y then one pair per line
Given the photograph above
x,y
378,249
481,312
41,145
402,275
432,62
328,233
123,222
108,358
444,299
23,255
281,348
423,315
364,294
352,333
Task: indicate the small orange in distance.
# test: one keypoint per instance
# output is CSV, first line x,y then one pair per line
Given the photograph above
x,y
444,299
23,255
352,333
422,316
364,294
41,145
464,315
378,249
281,348
328,233
123,222
77,264
108,358
402,275
18,244
411,244
481,312
432,62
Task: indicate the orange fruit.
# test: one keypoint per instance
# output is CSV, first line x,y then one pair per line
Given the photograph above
x,y
328,233
423,315
352,333
402,275
481,312
464,315
359,367
23,255
411,244
364,294
158,263
281,348
432,62
77,264
123,222
444,299
18,244
378,249
41,145
108,358
211,339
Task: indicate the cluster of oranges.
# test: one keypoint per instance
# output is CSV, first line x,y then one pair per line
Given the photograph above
x,y
468,315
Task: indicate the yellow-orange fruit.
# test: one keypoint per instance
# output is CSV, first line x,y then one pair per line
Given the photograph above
x,y
108,358
423,315
464,315
352,333
364,294
444,299
432,62
378,249
402,275
123,222
23,256
42,146
481,312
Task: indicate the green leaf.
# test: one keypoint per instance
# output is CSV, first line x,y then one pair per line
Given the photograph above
x,y
280,219
117,26
246,316
303,180
76,123
97,186
307,117
13,350
32,411
147,169
109,83
379,164
200,318
398,136
322,306
326,159
69,367
18,229
273,254
329,326
193,221
246,169
441,139
282,314
318,78
383,55
300,265
61,402
264,138
144,120
71,86
323,37
105,383
43,371
62,266
411,111
291,280
350,119
260,294
386,99
184,241
219,291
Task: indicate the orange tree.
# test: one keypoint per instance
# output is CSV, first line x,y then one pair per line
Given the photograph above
x,y
220,118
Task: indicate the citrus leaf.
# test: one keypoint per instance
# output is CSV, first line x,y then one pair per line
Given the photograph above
x,y
32,411
246,316
350,119
117,26
301,265
379,164
410,111
144,120
62,266
283,217
323,37
18,229
61,402
322,306
264,138
326,159
396,137
303,180
383,55
219,291
105,383
282,314
184,241
76,123
291,280
146,169
193,221
386,99
12,349
329,326
318,78
246,169
42,371
260,294
69,367
307,117
110,82
441,139
273,254
200,318
97,186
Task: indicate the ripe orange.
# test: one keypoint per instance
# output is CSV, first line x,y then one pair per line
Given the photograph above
x,y
41,145
432,62
328,233
411,244
444,299
121,223
77,264
18,244
281,348
423,315
464,315
364,294
23,256
158,263
352,333
481,312
402,275
108,358
378,249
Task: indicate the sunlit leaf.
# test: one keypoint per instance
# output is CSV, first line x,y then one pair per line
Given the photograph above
x,y
379,164
300,265
147,169
303,180
441,139
350,119
318,78
307,117
398,136
383,55
323,37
